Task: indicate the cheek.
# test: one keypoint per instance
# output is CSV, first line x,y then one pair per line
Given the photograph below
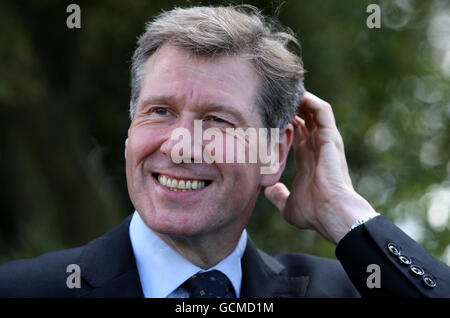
x,y
242,180
141,143
233,147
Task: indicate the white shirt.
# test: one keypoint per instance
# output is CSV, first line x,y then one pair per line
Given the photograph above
x,y
162,269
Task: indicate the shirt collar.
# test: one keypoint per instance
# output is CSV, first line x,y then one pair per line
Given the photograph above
x,y
162,269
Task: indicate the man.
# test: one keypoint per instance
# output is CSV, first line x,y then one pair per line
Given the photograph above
x,y
228,68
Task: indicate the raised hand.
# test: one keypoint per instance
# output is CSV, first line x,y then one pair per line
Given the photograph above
x,y
322,197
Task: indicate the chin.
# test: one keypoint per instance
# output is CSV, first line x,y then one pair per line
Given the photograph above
x,y
176,223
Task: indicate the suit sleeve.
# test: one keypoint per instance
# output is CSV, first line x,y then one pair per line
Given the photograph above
x,y
406,269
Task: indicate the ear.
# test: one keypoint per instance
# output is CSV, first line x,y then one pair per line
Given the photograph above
x,y
284,145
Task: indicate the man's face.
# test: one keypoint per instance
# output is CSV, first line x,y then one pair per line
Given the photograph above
x,y
176,90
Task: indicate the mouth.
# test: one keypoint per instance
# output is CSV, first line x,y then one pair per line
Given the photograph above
x,y
180,184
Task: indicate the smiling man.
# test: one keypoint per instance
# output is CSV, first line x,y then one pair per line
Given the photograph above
x,y
229,68
212,214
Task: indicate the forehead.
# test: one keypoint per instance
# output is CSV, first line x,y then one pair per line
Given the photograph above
x,y
230,80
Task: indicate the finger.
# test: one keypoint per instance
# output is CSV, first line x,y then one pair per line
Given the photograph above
x,y
300,133
278,195
302,144
309,121
321,110
301,125
309,129
303,151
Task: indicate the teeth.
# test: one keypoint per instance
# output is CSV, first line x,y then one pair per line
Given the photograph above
x,y
162,179
179,185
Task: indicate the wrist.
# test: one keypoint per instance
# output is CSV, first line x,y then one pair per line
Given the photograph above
x,y
362,221
350,210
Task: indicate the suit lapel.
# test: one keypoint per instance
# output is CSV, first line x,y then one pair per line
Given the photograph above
x,y
263,277
108,265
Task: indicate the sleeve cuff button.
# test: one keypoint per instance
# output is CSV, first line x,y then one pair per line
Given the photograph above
x,y
417,270
429,281
405,259
393,249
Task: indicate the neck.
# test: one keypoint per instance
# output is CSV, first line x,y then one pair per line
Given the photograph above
x,y
204,251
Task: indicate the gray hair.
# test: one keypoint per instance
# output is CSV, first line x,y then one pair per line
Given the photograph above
x,y
231,30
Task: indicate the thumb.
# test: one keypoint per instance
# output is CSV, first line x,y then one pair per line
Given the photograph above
x,y
278,195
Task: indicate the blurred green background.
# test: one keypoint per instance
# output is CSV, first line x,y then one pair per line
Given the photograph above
x,y
64,96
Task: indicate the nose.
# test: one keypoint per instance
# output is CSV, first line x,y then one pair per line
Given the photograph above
x,y
185,142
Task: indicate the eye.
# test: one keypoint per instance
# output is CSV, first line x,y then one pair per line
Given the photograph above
x,y
216,119
160,111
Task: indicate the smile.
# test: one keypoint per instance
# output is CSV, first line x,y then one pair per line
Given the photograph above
x,y
181,185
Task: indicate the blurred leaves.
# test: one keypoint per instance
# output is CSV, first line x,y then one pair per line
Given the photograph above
x,y
64,96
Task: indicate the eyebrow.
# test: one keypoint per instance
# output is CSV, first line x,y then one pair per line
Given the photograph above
x,y
168,99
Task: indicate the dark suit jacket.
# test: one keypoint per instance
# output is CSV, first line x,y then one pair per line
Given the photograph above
x,y
108,269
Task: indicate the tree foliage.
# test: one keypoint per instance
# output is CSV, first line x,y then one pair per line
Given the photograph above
x,y
64,96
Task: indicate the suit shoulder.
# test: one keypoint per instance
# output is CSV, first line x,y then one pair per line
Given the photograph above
x,y
308,264
42,276
327,277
